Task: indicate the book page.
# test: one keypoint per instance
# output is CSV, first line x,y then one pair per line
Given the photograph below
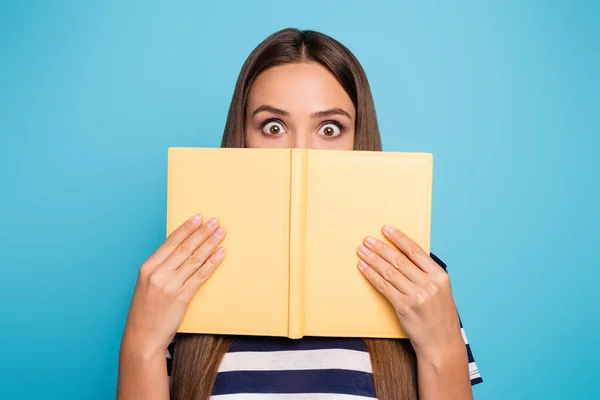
x,y
352,194
248,190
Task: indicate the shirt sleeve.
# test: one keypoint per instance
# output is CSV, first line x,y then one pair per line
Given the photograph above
x,y
474,373
170,352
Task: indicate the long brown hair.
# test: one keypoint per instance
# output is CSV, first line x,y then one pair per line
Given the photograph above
x,y
197,357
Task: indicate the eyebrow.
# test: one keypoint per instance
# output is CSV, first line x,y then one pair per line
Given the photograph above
x,y
270,109
330,112
318,114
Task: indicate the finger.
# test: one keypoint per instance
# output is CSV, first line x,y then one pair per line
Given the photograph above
x,y
396,258
410,249
189,245
198,258
191,286
390,273
396,298
174,239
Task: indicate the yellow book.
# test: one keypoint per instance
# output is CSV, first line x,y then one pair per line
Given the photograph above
x,y
294,219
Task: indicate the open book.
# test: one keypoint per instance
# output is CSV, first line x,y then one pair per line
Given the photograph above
x,y
294,219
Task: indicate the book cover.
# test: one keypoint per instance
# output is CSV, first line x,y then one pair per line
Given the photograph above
x,y
294,218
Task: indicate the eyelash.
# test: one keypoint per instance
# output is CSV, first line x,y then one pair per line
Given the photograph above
x,y
265,122
338,124
341,126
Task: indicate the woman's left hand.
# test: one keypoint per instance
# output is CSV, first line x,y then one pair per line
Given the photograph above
x,y
417,287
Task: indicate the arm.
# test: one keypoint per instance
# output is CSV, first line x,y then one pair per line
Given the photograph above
x,y
419,289
444,375
142,376
166,284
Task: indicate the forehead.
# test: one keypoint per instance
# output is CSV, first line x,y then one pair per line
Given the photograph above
x,y
299,87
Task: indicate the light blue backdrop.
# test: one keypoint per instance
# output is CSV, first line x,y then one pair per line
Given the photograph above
x,y
505,95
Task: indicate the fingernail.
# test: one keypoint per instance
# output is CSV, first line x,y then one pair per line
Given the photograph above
x,y
212,222
220,232
197,219
388,229
370,241
363,265
363,250
220,253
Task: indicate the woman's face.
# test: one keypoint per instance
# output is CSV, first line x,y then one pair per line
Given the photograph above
x,y
299,105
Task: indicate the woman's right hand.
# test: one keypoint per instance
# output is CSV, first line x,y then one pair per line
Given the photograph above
x,y
168,280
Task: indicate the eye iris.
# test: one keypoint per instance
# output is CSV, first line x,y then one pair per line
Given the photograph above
x,y
329,131
274,129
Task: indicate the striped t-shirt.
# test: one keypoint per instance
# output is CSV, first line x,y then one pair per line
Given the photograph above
x,y
308,368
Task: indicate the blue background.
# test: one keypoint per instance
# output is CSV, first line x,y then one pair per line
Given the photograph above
x,y
505,96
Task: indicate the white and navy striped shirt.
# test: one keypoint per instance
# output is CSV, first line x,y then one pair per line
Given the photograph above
x,y
308,368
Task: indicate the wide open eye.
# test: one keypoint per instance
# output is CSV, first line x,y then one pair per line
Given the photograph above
x,y
273,128
330,129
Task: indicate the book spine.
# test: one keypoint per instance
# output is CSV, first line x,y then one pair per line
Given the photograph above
x,y
298,207
169,222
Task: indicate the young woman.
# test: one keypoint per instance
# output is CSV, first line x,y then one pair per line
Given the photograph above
x,y
296,89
